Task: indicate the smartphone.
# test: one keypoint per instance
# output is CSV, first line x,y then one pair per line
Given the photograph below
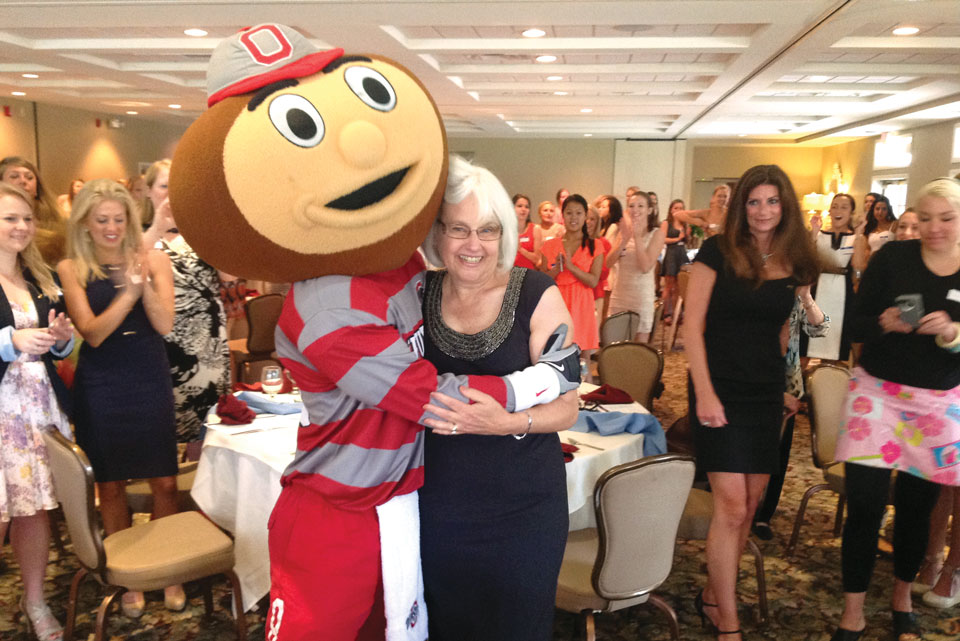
x,y
911,308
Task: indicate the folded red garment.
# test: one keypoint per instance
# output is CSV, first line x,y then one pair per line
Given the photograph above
x,y
258,387
233,411
607,394
568,451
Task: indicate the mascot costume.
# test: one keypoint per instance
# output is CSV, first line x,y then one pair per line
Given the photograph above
x,y
327,170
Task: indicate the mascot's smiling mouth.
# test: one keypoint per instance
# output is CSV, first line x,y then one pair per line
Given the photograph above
x,y
370,193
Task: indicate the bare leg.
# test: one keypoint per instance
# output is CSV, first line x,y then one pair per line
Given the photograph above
x,y
944,585
852,618
113,506
669,292
164,489
731,516
30,538
642,337
938,537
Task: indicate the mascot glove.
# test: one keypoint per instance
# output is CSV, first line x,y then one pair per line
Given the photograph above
x,y
557,372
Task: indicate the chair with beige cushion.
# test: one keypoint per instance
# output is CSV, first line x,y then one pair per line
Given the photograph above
x,y
168,551
630,553
695,524
635,368
827,386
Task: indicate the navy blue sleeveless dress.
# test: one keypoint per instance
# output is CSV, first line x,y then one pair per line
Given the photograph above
x,y
493,509
123,396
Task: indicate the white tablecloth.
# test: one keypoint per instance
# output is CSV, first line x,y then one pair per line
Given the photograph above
x,y
238,483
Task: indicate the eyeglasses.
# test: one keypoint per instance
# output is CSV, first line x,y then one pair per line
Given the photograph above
x,y
461,232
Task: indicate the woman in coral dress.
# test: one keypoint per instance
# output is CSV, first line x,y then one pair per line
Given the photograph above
x,y
574,262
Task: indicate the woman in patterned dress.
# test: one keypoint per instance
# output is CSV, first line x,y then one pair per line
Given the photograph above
x,y
197,346
31,335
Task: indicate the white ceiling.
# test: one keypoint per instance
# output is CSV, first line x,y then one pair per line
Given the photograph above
x,y
764,70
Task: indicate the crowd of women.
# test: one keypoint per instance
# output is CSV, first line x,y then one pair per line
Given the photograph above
x,y
152,359
150,348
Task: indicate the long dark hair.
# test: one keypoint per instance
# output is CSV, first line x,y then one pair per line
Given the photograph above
x,y
585,240
615,215
525,197
790,239
670,210
872,222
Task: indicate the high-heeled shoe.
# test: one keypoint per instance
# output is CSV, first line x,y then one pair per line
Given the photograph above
x,y
174,598
40,621
699,604
719,633
905,625
132,604
937,601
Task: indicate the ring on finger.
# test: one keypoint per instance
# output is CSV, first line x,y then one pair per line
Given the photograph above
x,y
453,430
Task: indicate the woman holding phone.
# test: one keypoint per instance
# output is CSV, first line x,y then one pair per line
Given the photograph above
x,y
899,407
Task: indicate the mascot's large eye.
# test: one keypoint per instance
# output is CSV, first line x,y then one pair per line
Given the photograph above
x,y
371,87
297,119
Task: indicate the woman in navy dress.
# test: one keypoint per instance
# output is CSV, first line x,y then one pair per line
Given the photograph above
x,y
121,301
493,508
742,288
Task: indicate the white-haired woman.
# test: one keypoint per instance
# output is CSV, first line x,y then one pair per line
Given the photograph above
x,y
493,508
121,301
901,404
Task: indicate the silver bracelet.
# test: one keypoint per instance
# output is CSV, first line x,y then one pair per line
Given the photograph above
x,y
529,425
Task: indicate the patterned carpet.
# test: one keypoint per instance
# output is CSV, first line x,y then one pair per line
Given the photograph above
x,y
804,592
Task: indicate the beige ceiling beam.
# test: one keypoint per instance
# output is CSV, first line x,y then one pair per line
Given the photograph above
x,y
891,88
884,116
550,45
626,87
877,69
895,42
690,68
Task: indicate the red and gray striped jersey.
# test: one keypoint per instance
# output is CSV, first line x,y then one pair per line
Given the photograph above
x,y
354,344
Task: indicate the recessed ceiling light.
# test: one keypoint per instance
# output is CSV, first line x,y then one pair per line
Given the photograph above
x,y
534,33
196,33
554,78
18,93
586,110
588,135
174,106
30,75
906,31
561,93
132,113
741,135
546,58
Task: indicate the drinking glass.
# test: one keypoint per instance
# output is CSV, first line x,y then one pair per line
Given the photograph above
x,y
271,379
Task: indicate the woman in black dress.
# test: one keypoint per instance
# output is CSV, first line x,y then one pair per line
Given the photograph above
x,y
493,508
121,301
742,288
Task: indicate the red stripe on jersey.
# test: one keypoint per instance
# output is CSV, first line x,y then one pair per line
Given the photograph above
x,y
366,428
290,322
492,385
364,340
372,294
412,389
357,498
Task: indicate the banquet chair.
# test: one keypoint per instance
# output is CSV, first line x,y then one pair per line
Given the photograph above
x,y
262,313
619,328
827,386
635,368
694,526
174,549
629,554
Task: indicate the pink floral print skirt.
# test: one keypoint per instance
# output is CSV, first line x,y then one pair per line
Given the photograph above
x,y
910,429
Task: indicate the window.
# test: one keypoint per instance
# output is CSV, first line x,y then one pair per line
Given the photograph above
x,y
895,189
892,151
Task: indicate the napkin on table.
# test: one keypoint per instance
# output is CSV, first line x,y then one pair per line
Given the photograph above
x,y
233,411
607,395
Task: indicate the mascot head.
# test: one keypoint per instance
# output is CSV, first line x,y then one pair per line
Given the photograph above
x,y
308,162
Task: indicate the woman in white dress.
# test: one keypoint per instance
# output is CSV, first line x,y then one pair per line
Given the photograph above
x,y
840,256
634,289
879,229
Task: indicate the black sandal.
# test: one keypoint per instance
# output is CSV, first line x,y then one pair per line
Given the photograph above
x,y
699,604
905,625
842,634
